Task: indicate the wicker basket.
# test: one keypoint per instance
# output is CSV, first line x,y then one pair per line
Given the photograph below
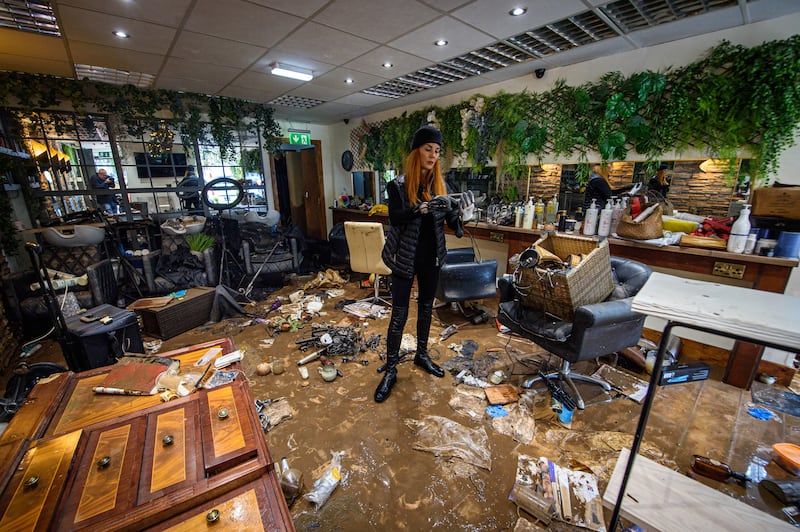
x,y
560,293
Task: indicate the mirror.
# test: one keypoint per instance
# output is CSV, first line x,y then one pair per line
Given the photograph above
x,y
364,185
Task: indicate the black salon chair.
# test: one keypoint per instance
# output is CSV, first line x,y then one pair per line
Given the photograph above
x,y
462,279
103,282
598,329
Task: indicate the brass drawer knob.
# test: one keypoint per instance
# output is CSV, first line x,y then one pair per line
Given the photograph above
x,y
167,440
103,462
223,413
212,516
32,482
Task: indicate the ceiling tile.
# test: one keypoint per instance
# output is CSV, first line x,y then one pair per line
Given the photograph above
x,y
186,85
361,99
460,38
217,74
492,16
35,65
93,27
119,58
241,21
372,63
378,20
336,79
265,82
168,13
247,93
446,5
29,44
316,92
325,44
209,49
305,8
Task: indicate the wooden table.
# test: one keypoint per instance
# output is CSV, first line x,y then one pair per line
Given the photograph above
x,y
767,319
72,459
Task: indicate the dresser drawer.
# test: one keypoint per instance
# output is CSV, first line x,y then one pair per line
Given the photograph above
x,y
227,427
31,496
251,507
99,486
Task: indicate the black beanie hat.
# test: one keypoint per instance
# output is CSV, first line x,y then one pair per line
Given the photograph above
x,y
426,134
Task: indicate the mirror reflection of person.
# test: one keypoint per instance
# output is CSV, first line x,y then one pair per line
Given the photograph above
x,y
102,181
599,189
187,190
660,182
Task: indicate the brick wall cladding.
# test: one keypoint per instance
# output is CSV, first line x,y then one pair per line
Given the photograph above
x,y
692,190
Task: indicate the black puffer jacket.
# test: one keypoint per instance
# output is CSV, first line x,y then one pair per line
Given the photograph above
x,y
401,242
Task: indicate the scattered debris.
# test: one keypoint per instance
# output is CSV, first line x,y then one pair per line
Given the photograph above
x,y
445,437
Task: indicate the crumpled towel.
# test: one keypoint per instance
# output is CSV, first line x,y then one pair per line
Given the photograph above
x,y
327,279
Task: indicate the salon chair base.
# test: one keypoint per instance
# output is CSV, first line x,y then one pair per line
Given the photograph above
x,y
565,374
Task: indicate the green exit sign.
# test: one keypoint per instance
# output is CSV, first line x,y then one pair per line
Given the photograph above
x,y
299,138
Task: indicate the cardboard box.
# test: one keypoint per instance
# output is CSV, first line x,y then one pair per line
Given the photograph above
x,y
683,373
783,202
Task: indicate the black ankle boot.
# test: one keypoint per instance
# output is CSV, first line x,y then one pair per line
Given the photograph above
x,y
393,338
384,389
422,359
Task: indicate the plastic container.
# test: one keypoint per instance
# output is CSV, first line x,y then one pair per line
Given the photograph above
x,y
604,226
590,222
740,231
528,218
788,245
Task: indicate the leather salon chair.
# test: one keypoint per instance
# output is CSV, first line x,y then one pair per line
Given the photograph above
x,y
103,282
365,241
598,329
463,279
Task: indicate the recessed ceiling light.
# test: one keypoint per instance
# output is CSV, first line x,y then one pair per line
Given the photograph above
x,y
518,11
441,42
349,81
121,34
387,64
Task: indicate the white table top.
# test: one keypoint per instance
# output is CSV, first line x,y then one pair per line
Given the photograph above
x,y
753,314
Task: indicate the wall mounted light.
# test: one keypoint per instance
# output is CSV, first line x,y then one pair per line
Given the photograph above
x,y
291,72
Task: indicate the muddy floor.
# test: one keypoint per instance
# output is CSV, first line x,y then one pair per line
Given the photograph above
x,y
387,484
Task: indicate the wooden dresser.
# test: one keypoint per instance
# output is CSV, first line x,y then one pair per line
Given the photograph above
x,y
74,460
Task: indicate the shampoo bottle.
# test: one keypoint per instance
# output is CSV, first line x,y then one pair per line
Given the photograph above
x,y
528,219
590,220
539,214
604,227
518,216
616,215
550,210
739,231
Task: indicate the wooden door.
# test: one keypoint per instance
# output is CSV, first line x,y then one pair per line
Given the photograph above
x,y
314,192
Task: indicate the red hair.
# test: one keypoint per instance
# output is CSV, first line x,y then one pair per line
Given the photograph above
x,y
432,182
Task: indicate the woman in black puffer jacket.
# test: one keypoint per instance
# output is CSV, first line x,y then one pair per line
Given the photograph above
x,y
415,245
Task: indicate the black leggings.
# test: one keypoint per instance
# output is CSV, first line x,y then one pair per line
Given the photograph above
x,y
427,280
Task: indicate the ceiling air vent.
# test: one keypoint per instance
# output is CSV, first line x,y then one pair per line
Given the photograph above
x,y
29,15
296,102
114,76
632,15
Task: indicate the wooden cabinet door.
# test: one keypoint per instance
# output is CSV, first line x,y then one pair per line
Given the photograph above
x,y
227,427
249,507
100,484
172,451
31,496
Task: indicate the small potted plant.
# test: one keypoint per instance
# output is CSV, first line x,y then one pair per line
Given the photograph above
x,y
198,243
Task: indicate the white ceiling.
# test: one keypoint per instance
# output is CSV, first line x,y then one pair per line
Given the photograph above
x,y
225,47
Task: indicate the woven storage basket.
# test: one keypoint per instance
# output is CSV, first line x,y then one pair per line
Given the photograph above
x,y
562,292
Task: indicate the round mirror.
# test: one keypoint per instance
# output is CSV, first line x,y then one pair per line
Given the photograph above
x,y
223,193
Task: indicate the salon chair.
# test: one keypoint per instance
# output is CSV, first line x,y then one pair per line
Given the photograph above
x,y
463,279
365,241
598,329
103,282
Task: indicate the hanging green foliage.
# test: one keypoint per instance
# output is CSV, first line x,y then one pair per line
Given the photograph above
x,y
733,99
135,111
